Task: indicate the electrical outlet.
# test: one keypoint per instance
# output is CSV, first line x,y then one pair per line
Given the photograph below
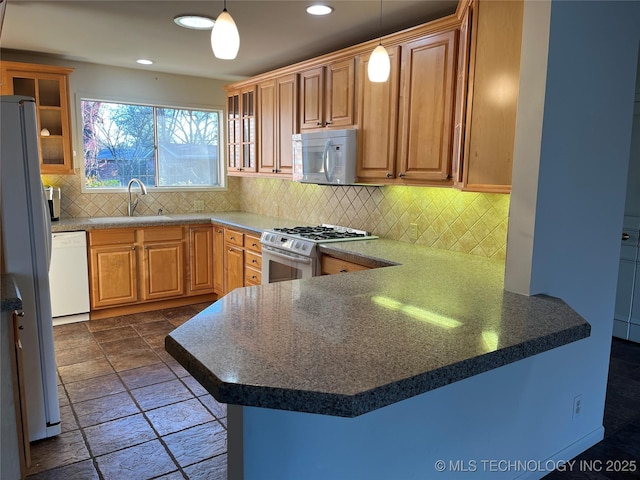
x,y
577,406
413,231
198,205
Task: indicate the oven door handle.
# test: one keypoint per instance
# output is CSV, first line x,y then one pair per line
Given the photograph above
x,y
300,259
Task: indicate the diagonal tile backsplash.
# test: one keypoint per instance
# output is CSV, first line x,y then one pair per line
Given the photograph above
x,y
74,203
467,222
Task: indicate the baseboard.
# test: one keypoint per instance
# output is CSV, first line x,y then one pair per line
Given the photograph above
x,y
79,317
566,454
152,306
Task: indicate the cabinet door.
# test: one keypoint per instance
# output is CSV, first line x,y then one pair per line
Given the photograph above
x,y
340,93
460,108
218,260
234,262
113,275
287,118
241,131
378,122
497,38
248,125
163,270
312,98
426,108
267,121
234,138
200,260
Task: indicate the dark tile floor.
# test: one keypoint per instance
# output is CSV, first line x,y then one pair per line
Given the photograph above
x,y
129,410
621,421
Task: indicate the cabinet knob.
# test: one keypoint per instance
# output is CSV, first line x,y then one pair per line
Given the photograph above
x,y
344,270
133,247
625,236
402,175
273,170
232,238
327,124
389,174
254,261
253,277
254,245
20,314
21,327
319,124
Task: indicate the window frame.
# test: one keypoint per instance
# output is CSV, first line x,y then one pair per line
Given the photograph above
x,y
79,142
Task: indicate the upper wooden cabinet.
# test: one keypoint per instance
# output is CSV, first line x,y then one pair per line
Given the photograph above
x,y
445,117
277,121
327,95
425,128
493,86
378,122
241,131
49,86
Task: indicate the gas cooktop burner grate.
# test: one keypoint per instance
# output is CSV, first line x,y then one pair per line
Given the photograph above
x,y
323,232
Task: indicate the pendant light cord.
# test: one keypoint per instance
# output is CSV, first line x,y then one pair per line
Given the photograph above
x,y
380,40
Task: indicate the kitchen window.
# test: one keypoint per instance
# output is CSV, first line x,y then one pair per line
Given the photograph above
x,y
165,147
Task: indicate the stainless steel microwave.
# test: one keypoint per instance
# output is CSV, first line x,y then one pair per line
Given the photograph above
x,y
326,157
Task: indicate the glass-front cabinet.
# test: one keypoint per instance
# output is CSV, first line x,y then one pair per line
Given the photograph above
x,y
241,131
49,86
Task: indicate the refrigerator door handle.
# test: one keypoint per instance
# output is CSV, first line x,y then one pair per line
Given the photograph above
x,y
47,228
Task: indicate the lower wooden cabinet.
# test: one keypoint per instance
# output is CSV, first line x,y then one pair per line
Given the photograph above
x,y
201,263
218,260
130,266
237,259
162,263
113,267
330,265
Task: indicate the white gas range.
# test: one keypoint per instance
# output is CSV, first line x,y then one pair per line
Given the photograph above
x,y
292,253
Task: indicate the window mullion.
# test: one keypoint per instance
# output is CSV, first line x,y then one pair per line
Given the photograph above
x,y
155,147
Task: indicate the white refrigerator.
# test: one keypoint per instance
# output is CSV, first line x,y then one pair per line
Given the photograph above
x,y
26,243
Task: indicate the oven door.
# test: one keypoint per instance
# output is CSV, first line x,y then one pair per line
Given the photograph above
x,y
280,266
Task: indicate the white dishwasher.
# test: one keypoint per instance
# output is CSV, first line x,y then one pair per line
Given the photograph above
x,y
69,278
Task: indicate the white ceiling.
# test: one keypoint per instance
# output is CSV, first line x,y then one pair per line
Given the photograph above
x,y
272,33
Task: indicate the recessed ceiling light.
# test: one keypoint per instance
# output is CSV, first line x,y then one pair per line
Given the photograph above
x,y
144,61
194,22
319,9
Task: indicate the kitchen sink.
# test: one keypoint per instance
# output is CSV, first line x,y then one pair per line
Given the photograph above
x,y
134,219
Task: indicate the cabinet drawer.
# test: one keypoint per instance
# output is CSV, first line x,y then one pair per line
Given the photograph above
x,y
330,265
252,259
252,276
252,243
233,237
112,236
162,234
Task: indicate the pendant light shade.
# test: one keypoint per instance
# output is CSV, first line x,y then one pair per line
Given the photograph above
x,y
379,62
379,65
225,39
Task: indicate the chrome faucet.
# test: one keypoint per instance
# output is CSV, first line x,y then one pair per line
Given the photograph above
x,y
131,207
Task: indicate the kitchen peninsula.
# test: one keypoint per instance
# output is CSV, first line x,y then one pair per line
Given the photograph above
x,y
387,346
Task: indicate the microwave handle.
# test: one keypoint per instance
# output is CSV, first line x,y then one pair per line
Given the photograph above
x,y
325,160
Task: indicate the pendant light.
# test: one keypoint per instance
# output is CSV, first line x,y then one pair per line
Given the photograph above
x,y
225,39
379,63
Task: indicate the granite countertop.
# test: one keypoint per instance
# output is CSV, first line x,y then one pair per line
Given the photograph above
x,y
10,295
248,222
347,344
